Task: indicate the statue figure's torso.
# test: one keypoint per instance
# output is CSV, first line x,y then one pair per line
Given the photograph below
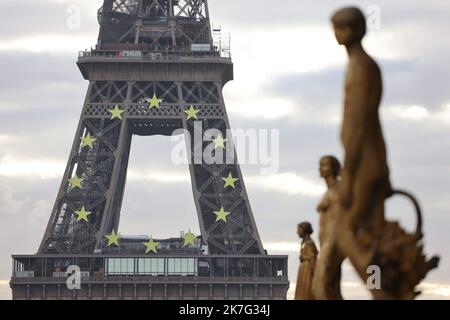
x,y
363,91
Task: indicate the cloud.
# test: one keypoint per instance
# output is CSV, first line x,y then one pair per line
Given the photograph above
x,y
49,43
435,291
26,207
5,291
294,12
419,113
350,290
7,139
31,168
320,94
289,182
21,16
264,107
158,176
38,82
283,247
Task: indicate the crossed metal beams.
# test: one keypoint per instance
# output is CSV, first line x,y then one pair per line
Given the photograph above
x,y
122,21
99,164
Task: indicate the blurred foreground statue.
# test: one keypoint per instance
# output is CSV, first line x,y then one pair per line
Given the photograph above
x,y
353,209
308,257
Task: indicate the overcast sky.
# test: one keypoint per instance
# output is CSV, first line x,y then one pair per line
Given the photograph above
x,y
288,76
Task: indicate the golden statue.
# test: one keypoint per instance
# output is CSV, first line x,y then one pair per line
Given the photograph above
x,y
327,275
308,257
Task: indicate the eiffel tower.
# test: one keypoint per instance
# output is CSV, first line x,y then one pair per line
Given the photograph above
x,y
155,69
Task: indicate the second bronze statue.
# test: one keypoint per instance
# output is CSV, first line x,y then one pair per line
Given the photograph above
x,y
327,278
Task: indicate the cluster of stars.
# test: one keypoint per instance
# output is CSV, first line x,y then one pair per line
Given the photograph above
x,y
151,246
154,102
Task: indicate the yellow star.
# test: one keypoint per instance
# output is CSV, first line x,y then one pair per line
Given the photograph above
x,y
113,238
88,141
219,141
230,181
154,102
192,113
222,215
75,182
151,246
83,214
116,113
189,239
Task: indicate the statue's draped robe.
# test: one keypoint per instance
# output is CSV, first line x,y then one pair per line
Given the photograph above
x,y
308,256
327,277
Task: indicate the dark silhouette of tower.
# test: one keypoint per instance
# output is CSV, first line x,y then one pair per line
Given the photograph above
x,y
155,69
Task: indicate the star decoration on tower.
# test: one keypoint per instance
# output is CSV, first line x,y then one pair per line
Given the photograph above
x,y
88,141
189,239
113,239
151,246
154,102
230,181
82,214
192,113
75,182
219,141
116,113
222,215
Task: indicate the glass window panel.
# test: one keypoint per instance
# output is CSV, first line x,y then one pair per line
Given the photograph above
x,y
130,266
150,266
117,265
177,266
191,266
153,266
110,266
160,268
171,266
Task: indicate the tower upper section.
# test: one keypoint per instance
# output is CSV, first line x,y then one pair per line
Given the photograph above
x,y
155,25
157,40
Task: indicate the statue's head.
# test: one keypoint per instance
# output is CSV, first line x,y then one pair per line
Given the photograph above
x,y
349,26
329,167
304,229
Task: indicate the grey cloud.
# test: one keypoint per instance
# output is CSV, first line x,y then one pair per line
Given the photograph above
x,y
407,83
25,18
31,77
41,100
233,14
254,13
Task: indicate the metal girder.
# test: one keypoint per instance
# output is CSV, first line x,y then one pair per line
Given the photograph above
x,y
103,166
191,9
123,21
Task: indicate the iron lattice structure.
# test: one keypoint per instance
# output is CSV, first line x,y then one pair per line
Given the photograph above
x,y
164,33
162,49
